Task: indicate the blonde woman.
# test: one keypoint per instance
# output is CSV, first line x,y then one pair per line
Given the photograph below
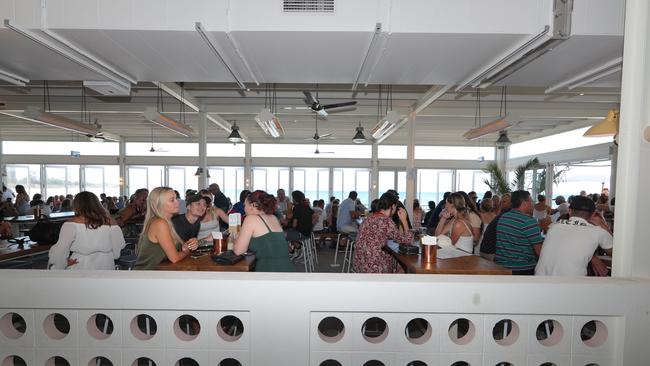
x,y
454,222
159,240
210,221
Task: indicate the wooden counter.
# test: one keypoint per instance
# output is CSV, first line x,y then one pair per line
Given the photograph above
x,y
471,264
205,263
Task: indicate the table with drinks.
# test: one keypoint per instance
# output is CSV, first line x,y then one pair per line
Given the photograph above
x,y
426,262
20,248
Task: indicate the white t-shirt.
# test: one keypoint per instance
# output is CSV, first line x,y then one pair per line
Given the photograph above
x,y
569,246
318,226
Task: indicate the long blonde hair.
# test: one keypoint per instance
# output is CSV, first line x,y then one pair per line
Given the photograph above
x,y
155,202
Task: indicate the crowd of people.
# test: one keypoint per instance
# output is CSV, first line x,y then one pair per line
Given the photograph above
x,y
513,231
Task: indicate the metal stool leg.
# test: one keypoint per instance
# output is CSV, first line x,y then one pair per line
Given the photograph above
x,y
336,251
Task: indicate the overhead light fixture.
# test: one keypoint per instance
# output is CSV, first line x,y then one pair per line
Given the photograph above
x,y
37,115
234,136
211,44
492,127
13,78
359,138
606,127
385,125
596,73
199,171
503,141
528,51
269,123
162,120
375,35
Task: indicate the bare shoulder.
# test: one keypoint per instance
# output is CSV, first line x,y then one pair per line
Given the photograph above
x,y
112,222
77,220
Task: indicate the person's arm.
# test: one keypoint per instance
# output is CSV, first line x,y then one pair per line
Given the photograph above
x,y
60,251
314,217
444,223
125,215
396,234
537,248
222,215
599,267
456,231
117,240
244,238
160,232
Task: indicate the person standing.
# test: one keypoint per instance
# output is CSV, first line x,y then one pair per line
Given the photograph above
x,y
519,240
220,199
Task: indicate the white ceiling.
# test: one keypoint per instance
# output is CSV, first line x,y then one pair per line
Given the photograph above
x,y
409,54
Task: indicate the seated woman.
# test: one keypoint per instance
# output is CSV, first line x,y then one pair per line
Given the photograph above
x,y
454,222
22,200
374,233
90,240
541,209
210,221
262,233
159,240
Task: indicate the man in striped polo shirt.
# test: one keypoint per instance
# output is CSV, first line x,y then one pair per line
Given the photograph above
x,y
519,240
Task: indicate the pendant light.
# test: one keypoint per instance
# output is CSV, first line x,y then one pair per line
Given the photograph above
x,y
234,136
359,138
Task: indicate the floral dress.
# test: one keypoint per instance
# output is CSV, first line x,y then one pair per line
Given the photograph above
x,y
373,234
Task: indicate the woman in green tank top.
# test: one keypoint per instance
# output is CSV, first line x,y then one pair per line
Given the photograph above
x,y
262,233
159,240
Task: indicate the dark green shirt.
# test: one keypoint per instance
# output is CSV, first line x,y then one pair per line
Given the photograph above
x,y
517,233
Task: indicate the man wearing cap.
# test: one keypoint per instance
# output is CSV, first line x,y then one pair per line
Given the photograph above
x,y
562,208
187,225
570,243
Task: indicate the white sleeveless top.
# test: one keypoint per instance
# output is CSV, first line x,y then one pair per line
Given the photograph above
x,y
464,243
539,215
208,227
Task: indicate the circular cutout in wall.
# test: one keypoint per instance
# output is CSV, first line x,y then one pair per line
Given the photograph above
x,y
594,333
14,361
461,331
186,361
548,364
331,329
416,363
57,361
230,328
229,362
460,363
418,331
504,364
187,327
374,363
374,330
143,361
143,327
549,332
100,361
330,362
13,325
56,326
99,326
505,332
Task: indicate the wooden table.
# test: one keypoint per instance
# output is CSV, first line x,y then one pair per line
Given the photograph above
x,y
14,252
205,263
471,264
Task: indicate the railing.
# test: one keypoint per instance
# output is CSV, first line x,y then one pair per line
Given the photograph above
x,y
180,318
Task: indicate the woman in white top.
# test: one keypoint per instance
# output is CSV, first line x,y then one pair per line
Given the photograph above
x,y
541,209
22,200
90,240
210,221
454,220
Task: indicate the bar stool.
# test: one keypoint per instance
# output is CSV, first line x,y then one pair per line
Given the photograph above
x,y
336,251
314,247
347,256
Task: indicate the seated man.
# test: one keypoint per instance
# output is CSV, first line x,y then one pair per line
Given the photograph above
x,y
570,244
345,222
135,211
187,225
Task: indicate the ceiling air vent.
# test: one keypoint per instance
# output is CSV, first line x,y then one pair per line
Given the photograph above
x,y
308,6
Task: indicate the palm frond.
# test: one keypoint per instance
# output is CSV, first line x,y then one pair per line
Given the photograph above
x,y
520,173
498,183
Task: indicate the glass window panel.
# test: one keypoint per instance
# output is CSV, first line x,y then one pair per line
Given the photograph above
x,y
445,183
216,176
226,150
85,148
454,152
557,142
298,180
386,181
479,182
363,186
27,175
323,184
307,151
337,190
148,177
102,179
391,151
232,181
259,179
284,179
311,184
591,178
61,179
433,183
272,179
401,184
182,178
162,149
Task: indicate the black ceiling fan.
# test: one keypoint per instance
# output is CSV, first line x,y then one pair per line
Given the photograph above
x,y
315,105
316,137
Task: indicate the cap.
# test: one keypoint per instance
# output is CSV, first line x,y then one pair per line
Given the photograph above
x,y
561,198
583,204
192,198
190,192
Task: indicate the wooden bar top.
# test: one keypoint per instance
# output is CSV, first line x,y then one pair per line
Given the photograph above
x,y
14,252
471,264
205,263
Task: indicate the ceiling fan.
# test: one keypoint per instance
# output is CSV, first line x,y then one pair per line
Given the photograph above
x,y
154,150
314,104
317,152
316,137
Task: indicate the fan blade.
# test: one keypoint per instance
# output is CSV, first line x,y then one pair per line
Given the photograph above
x,y
310,98
336,105
326,135
328,138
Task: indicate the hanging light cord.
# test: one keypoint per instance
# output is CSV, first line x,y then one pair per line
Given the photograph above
x,y
182,102
477,110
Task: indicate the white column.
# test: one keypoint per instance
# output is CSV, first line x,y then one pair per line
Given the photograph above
x,y
203,148
248,166
410,165
121,161
631,243
502,158
374,173
613,156
548,188
3,170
